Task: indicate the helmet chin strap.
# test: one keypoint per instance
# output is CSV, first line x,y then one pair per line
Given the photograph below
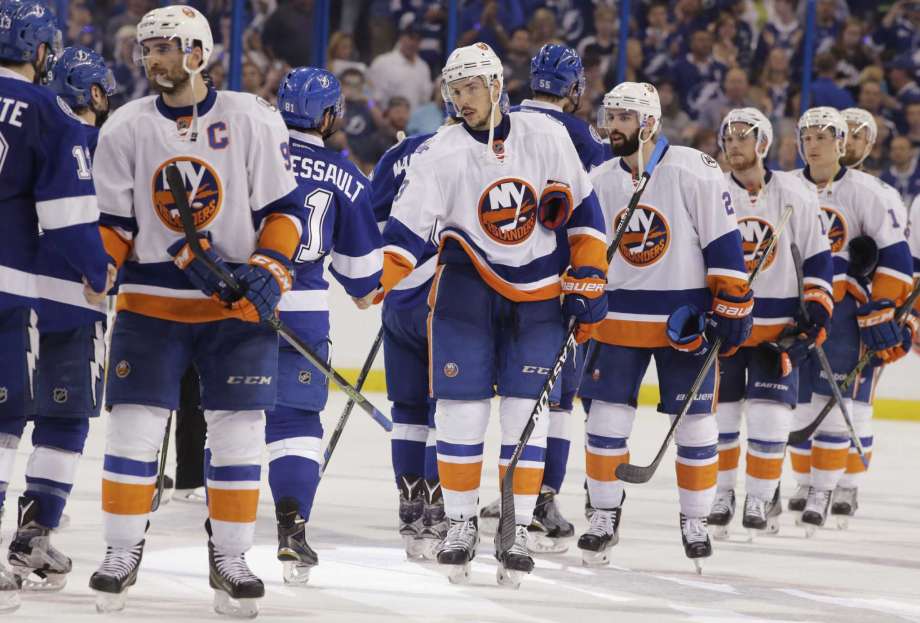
x,y
192,73
493,104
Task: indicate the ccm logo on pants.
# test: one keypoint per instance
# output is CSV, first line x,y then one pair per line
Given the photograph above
x,y
535,370
249,380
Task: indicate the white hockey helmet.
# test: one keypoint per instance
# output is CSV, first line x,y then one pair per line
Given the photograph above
x,y
640,97
861,118
181,22
758,123
825,118
471,61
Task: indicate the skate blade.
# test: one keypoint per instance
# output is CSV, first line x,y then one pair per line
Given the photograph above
x,y
810,530
719,533
595,559
843,522
458,574
488,525
430,549
52,582
698,565
9,601
772,526
295,573
509,578
539,543
236,608
415,547
111,602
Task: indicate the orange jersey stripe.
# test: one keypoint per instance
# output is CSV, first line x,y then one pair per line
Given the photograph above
x,y
697,477
460,476
235,505
395,269
190,311
765,469
828,459
527,480
603,467
729,459
115,245
279,233
729,285
632,333
121,498
764,333
888,287
432,299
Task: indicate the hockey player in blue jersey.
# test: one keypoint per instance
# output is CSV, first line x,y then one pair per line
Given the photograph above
x,y
340,224
45,182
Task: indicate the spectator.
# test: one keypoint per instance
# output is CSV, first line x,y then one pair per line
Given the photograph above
x,y
735,93
517,66
134,11
655,40
725,49
428,117
689,18
490,21
903,173
782,31
603,41
395,119
361,117
787,153
401,71
430,17
697,75
635,65
80,29
901,82
827,25
912,117
217,74
776,83
288,30
678,127
543,29
824,90
707,141
899,32
341,54
851,53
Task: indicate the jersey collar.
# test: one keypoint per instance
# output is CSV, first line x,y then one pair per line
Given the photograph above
x,y
529,103
501,131
6,72
176,113
807,173
626,168
767,176
306,137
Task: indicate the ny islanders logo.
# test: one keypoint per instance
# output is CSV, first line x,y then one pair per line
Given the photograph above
x,y
756,234
508,210
835,226
203,189
646,238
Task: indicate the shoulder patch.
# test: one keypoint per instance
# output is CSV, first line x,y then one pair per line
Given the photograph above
x,y
709,161
266,103
597,137
64,106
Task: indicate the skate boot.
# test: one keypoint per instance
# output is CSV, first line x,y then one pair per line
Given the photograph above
x,y
488,517
696,540
516,562
723,509
797,500
603,533
815,513
458,549
116,574
39,565
236,589
295,554
844,505
549,527
761,516
434,521
411,507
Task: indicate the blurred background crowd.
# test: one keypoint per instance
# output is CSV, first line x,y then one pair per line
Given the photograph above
x,y
704,56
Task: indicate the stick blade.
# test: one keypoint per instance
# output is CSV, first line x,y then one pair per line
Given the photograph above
x,y
635,474
504,536
800,436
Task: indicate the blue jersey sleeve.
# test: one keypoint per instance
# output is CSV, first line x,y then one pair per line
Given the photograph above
x,y
357,258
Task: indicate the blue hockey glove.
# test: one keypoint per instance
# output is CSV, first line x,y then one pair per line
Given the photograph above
x,y
263,281
730,319
686,329
585,299
195,269
878,329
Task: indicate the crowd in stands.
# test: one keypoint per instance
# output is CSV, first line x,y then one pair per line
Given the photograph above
x,y
704,56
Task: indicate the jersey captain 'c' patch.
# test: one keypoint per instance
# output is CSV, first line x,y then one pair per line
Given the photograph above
x,y
835,226
508,210
205,193
756,234
646,238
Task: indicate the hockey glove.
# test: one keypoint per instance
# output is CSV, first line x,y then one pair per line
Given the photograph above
x,y
555,205
585,299
730,319
792,348
909,333
878,329
262,281
686,330
195,269
863,257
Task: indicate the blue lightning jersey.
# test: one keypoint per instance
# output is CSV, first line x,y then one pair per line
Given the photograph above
x,y
339,224
587,143
387,178
46,185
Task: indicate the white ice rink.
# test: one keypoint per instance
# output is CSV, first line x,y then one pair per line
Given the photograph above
x,y
869,573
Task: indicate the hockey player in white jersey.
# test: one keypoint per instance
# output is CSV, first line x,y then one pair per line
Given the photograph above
x,y
511,201
233,154
862,132
852,204
681,256
760,381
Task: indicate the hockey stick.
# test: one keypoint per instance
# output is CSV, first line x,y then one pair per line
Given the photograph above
x,y
804,434
636,474
359,384
504,536
823,361
177,188
161,471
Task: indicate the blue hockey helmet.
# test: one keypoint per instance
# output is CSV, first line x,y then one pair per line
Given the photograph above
x,y
306,93
24,25
555,70
75,71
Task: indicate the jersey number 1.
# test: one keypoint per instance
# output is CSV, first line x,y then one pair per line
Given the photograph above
x,y
80,153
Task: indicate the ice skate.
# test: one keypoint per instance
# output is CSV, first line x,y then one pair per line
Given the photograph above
x,y
815,513
723,510
603,533
696,540
458,549
488,517
39,565
549,527
295,554
843,506
116,574
516,562
761,516
236,589
411,508
434,521
798,498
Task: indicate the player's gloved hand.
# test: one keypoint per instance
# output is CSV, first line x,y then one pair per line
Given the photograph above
x,y
730,319
909,334
195,269
262,281
585,299
819,306
793,347
686,329
555,205
878,329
